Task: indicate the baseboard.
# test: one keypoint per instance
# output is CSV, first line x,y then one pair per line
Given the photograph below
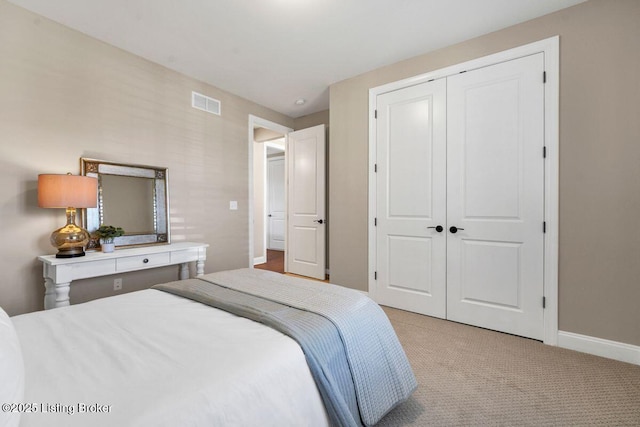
x,y
600,347
259,260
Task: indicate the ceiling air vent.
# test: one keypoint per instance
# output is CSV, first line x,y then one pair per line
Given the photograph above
x,y
205,103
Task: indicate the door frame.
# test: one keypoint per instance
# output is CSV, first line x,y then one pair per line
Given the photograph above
x,y
253,122
551,49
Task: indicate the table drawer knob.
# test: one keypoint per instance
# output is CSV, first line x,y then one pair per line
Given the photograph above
x,y
146,260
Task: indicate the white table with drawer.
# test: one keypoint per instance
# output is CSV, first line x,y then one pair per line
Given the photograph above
x,y
58,273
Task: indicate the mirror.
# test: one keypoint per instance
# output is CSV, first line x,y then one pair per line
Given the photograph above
x,y
133,197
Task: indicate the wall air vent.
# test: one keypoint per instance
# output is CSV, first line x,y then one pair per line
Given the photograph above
x,y
205,103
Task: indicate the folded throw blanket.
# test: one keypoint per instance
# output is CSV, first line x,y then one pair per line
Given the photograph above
x,y
353,353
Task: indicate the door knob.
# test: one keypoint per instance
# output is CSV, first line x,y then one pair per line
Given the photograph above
x,y
319,221
454,229
438,228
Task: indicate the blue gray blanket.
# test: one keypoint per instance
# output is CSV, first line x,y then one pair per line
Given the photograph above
x,y
352,351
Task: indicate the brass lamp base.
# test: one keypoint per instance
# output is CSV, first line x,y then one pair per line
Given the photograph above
x,y
70,240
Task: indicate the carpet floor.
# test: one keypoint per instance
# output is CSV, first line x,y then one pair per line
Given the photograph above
x,y
470,376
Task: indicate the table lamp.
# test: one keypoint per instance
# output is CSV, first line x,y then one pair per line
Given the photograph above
x,y
69,192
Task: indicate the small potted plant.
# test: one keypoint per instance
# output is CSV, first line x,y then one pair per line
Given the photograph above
x,y
106,234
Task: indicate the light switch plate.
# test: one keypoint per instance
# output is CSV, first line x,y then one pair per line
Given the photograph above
x,y
233,205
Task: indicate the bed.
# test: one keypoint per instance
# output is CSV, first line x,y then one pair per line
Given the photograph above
x,y
183,354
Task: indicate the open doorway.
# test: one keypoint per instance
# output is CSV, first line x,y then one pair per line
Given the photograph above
x,y
304,218
274,205
267,219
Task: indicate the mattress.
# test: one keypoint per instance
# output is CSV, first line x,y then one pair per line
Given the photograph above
x,y
150,358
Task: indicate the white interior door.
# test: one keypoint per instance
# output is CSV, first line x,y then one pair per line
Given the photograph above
x,y
306,226
275,202
495,181
411,198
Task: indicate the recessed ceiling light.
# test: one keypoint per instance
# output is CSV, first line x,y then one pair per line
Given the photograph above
x,y
300,101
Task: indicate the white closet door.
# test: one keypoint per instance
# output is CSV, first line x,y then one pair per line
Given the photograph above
x,y
411,199
495,180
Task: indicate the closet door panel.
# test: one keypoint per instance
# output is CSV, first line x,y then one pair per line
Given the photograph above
x,y
411,198
495,196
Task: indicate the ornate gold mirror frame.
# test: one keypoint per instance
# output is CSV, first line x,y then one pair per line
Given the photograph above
x,y
134,197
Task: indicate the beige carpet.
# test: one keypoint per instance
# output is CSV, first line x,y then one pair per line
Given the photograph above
x,y
470,376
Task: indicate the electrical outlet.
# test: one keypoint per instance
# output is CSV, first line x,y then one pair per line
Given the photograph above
x,y
117,284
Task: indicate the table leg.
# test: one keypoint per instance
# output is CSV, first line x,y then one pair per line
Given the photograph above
x,y
56,294
199,268
49,294
184,271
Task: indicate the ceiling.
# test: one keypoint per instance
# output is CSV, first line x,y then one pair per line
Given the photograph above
x,y
275,52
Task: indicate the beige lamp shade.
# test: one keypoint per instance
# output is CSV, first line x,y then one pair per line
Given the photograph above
x,y
67,191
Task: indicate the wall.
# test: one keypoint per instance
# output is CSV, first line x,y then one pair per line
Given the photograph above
x,y
310,120
63,96
264,134
599,285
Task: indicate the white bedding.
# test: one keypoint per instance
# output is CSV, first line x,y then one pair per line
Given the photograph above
x,y
155,359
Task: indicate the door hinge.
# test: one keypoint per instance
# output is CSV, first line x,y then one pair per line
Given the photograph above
x,y
544,226
375,222
544,302
375,114
375,167
544,77
375,275
544,152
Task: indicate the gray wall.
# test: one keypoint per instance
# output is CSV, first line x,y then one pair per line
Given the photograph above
x,y
599,270
63,96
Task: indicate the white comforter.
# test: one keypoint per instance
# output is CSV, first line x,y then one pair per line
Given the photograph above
x,y
150,358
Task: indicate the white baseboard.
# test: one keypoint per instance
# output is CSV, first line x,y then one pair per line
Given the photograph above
x,y
600,347
259,260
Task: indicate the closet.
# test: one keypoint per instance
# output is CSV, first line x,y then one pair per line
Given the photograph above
x,y
459,197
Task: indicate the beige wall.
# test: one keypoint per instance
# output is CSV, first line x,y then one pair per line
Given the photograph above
x,y
264,134
315,119
63,96
599,271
